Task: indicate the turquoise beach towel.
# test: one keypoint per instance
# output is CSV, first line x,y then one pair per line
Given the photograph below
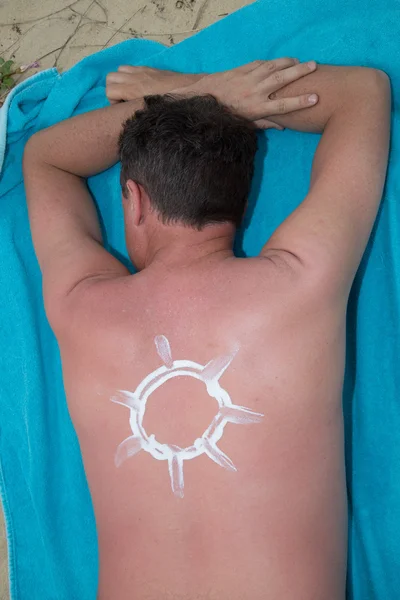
x,y
50,523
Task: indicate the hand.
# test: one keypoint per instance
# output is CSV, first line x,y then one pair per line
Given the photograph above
x,y
130,83
249,89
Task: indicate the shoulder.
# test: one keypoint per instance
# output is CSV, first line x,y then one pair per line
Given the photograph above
x,y
92,305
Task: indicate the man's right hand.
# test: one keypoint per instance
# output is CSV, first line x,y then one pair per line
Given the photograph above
x,y
249,90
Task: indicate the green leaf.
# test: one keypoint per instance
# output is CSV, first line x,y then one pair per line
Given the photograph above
x,y
6,67
1,61
8,81
3,88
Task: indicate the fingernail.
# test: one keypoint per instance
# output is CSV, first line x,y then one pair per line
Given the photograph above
x,y
312,64
313,98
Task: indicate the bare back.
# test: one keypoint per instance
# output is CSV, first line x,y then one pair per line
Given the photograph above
x,y
276,526
251,333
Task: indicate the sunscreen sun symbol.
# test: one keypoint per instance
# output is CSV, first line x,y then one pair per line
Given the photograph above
x,y
228,412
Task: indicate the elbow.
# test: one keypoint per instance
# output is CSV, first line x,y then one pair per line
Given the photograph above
x,y
372,86
381,77
379,81
29,153
32,151
383,93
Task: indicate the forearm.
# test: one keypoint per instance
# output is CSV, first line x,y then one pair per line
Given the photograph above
x,y
335,86
86,144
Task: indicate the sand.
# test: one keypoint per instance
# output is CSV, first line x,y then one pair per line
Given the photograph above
x,y
57,33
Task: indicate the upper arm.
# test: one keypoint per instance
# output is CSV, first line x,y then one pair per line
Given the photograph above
x,y
329,231
65,229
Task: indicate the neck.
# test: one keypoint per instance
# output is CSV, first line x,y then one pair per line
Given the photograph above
x,y
178,246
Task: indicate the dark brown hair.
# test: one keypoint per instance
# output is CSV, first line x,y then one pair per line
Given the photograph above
x,y
193,156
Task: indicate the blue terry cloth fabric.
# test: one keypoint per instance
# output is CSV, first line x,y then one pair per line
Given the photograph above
x,y
50,524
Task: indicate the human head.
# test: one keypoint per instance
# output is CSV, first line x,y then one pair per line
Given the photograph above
x,y
186,161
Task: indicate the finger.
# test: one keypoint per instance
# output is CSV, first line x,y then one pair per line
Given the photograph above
x,y
267,124
111,78
127,69
272,66
114,94
119,78
263,68
283,106
131,70
282,77
246,68
269,65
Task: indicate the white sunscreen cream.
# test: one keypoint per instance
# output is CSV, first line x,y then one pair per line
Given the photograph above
x,y
228,412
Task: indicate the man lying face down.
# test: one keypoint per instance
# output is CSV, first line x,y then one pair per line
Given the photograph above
x,y
206,389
